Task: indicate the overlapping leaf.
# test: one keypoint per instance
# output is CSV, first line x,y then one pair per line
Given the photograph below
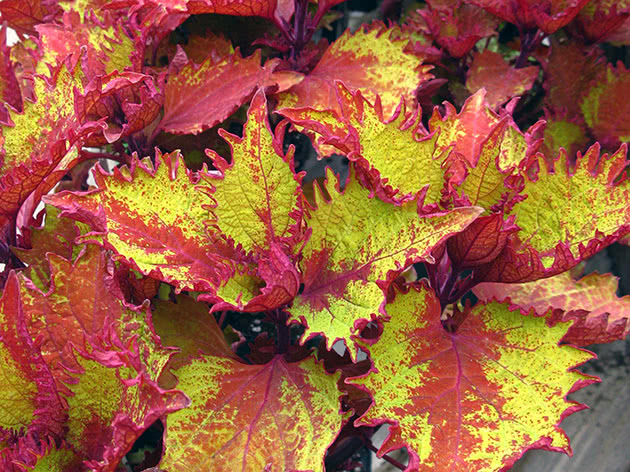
x,y
372,60
585,209
356,241
276,417
198,97
474,399
457,26
29,398
530,14
257,196
599,19
393,149
501,81
37,144
568,75
604,109
600,315
24,15
154,218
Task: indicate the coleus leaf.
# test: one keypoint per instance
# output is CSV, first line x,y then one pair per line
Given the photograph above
x,y
473,399
493,178
37,144
123,102
111,405
529,14
600,316
23,15
77,308
585,210
275,417
373,60
257,194
57,236
343,283
599,19
102,49
385,146
500,80
154,218
31,402
569,72
604,111
198,97
188,325
457,26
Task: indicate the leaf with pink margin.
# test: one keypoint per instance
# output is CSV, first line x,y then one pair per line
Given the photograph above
x,y
102,48
37,144
561,132
600,316
344,282
383,147
154,218
372,60
531,14
197,97
278,416
585,209
501,81
112,404
78,307
30,400
473,399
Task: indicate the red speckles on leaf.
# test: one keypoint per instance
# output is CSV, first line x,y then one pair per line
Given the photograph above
x,y
598,315
277,417
473,399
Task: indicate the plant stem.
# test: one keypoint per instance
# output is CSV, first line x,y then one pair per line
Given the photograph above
x,y
282,329
392,461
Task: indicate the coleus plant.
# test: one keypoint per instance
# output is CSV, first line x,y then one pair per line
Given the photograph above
x,y
172,276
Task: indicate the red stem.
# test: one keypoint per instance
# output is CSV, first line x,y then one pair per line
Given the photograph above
x,y
392,461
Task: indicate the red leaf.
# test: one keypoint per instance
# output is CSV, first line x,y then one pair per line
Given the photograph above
x,y
457,26
600,19
501,81
481,242
24,15
199,97
530,14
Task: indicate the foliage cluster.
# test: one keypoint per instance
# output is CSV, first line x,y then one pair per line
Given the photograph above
x,y
177,273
